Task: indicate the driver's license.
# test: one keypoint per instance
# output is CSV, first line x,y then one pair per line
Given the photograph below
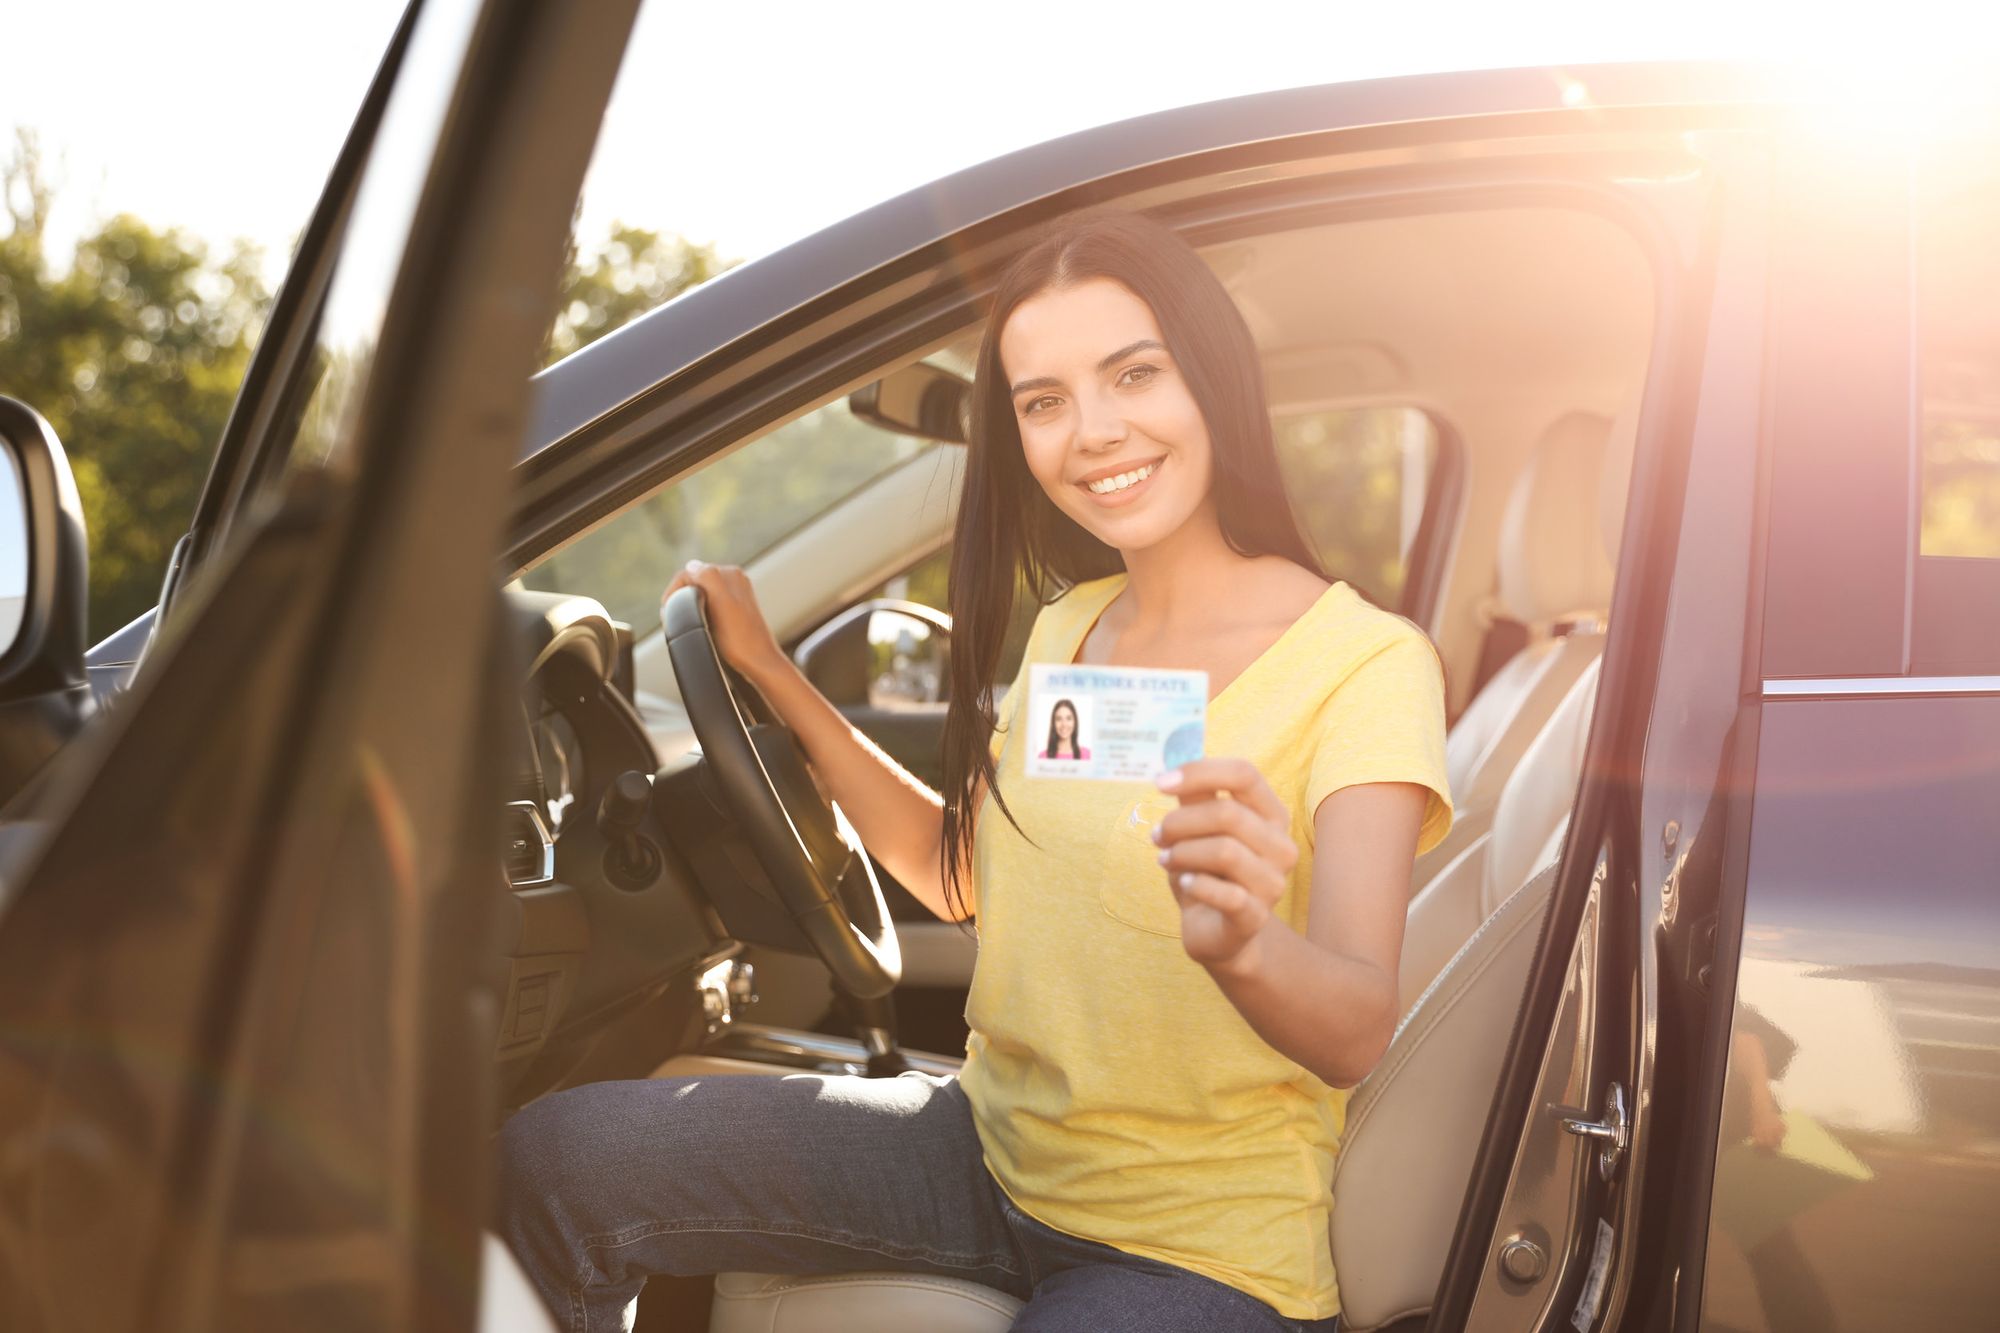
x,y
1125,723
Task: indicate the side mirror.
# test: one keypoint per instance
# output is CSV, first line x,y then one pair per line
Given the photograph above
x,y
919,399
881,654
44,597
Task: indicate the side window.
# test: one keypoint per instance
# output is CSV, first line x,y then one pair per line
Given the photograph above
x,y
728,511
1361,480
927,583
1958,357
1955,625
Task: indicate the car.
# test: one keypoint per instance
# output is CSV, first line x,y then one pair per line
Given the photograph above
x,y
1667,407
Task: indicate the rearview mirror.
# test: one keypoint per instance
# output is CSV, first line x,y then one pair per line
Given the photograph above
x,y
919,399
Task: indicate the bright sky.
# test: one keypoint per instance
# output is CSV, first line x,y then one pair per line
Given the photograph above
x,y
751,125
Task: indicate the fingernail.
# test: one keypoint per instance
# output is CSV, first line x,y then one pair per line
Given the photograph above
x,y
1186,880
1168,780
694,566
1155,835
1165,856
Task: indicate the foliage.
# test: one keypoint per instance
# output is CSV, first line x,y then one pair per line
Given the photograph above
x,y
729,511
134,356
1961,486
1345,472
623,278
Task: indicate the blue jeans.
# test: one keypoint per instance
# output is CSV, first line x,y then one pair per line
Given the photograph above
x,y
605,1184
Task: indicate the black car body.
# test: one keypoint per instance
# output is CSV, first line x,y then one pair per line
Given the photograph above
x,y
261,997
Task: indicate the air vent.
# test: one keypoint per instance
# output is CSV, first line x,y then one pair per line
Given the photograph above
x,y
530,851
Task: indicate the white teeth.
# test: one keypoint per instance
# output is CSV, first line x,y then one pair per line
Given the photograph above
x,y
1121,481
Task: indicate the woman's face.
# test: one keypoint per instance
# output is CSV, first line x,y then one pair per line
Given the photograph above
x,y
1065,724
1109,427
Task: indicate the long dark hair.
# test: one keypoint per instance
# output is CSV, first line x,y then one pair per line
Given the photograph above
x,y
1010,532
1075,731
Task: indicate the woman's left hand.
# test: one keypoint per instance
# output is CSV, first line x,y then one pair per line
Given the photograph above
x,y
1227,860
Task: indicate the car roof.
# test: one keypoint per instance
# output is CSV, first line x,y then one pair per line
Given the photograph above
x,y
656,346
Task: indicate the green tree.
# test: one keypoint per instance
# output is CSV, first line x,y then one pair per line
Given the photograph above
x,y
136,351
134,355
621,279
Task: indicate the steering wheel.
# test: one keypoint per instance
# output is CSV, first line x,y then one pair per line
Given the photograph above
x,y
815,859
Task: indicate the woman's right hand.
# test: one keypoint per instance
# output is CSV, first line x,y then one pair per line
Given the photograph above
x,y
741,634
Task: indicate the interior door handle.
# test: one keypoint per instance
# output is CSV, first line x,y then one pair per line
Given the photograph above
x,y
1612,1133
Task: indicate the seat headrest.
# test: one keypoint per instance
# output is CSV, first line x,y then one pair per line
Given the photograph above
x,y
1552,563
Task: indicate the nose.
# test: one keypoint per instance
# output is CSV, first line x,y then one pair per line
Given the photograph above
x,y
1100,425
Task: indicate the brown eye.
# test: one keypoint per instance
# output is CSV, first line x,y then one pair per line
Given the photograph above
x,y
1137,374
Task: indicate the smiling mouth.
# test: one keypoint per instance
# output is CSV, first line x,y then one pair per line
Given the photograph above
x,y
1122,481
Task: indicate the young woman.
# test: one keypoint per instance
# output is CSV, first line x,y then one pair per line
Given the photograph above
x,y
1173,991
1063,742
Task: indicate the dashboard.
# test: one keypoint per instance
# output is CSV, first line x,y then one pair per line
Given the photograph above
x,y
586,944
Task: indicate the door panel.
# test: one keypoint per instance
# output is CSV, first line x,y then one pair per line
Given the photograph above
x,y
1857,1183
245,979
1856,1172
1554,1177
115,949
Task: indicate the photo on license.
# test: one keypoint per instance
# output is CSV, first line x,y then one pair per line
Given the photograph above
x,y
1127,724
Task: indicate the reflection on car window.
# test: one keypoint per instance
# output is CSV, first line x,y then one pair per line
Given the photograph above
x,y
728,512
371,251
1358,479
1958,303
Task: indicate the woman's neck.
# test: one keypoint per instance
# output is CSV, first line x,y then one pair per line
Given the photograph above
x,y
1184,578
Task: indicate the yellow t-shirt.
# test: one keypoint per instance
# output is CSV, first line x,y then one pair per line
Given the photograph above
x,y
1117,1092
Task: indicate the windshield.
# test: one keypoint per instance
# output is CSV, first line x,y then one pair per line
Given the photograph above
x,y
729,511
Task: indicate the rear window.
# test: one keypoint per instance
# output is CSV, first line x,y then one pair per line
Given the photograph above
x,y
1360,480
1955,621
1958,303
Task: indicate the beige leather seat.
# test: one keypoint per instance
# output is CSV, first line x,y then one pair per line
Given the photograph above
x,y
857,1303
1412,1127
1526,829
1553,570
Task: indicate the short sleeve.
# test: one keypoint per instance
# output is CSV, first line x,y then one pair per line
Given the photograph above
x,y
1384,722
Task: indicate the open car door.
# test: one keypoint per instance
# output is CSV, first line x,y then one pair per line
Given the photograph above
x,y
246,917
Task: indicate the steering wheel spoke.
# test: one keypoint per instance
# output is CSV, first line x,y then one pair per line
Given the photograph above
x,y
805,844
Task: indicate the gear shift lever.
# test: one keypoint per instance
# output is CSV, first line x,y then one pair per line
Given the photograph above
x,y
630,860
875,1024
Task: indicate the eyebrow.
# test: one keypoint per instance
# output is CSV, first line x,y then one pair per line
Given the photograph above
x,y
1130,349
